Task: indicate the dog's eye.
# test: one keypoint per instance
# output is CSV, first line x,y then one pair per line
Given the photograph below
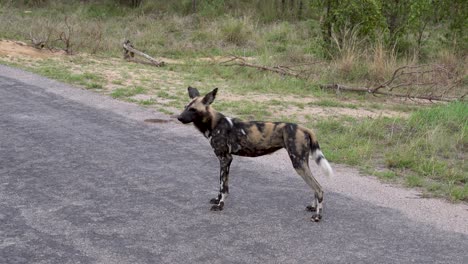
x,y
192,110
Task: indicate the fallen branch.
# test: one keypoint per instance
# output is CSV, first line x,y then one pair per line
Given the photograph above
x,y
130,51
339,87
38,43
411,81
238,61
415,71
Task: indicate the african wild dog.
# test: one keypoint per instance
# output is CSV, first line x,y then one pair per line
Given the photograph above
x,y
235,137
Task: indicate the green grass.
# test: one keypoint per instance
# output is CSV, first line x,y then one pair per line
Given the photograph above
x,y
333,103
244,109
386,175
166,95
146,102
93,85
414,181
430,146
127,92
117,82
165,111
55,70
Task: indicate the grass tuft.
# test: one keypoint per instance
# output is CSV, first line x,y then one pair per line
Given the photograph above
x,y
127,92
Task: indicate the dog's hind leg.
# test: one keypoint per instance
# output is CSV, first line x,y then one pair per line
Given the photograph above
x,y
225,163
313,206
297,143
317,206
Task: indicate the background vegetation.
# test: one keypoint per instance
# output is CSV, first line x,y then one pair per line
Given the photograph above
x,y
357,43
409,28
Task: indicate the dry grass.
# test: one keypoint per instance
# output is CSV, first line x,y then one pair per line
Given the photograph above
x,y
382,62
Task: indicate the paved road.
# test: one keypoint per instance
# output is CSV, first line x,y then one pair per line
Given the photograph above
x,y
83,180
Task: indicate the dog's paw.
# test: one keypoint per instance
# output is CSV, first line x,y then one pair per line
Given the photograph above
x,y
316,217
311,208
217,207
214,201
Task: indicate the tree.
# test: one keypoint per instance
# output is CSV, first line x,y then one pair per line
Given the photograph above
x,y
132,3
345,14
396,13
456,15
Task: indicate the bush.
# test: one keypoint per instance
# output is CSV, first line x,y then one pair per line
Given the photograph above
x,y
236,31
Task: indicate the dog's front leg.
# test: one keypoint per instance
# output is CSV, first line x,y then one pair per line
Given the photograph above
x,y
225,163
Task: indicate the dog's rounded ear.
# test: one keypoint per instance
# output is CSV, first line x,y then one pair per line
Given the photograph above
x,y
209,97
193,92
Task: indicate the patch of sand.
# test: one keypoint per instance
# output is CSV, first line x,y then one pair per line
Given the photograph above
x,y
11,49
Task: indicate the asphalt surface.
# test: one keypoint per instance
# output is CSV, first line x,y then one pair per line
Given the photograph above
x,y
84,180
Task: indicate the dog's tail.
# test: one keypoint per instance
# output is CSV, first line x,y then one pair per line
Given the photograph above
x,y
318,156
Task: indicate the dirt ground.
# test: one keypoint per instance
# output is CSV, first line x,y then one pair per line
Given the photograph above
x,y
12,49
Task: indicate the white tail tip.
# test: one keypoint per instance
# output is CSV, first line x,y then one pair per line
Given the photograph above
x,y
327,169
322,162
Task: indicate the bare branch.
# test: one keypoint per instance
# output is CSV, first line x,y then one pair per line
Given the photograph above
x,y
340,87
238,61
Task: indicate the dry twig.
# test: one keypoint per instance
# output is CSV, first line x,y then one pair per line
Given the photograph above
x,y
65,37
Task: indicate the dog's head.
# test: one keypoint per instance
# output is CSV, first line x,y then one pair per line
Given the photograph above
x,y
198,108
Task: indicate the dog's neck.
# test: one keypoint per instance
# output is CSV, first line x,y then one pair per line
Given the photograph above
x,y
208,122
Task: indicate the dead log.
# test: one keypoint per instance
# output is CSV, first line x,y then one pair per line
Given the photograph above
x,y
238,61
339,87
38,43
130,51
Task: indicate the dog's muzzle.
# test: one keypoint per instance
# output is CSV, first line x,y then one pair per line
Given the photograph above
x,y
182,119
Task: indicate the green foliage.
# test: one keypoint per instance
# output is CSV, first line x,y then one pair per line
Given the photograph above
x,y
457,18
404,24
131,3
421,27
103,10
365,15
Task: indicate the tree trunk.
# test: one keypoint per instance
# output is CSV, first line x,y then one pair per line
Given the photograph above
x,y
327,34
